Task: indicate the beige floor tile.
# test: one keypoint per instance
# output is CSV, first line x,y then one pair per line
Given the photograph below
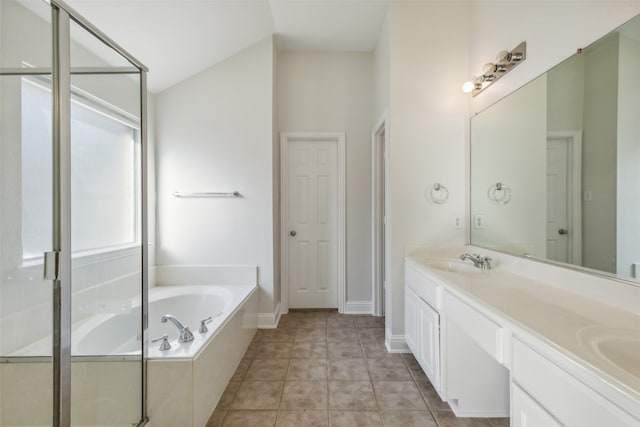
x,y
250,418
216,418
267,369
448,419
377,351
414,368
369,322
258,395
307,369
302,419
408,419
431,397
388,369
344,350
287,322
241,370
274,350
398,395
309,350
278,335
340,323
312,322
252,350
304,395
348,369
351,395
343,335
355,419
371,335
228,395
499,422
317,334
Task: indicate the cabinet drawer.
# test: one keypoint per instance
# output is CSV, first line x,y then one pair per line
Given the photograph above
x,y
567,398
484,332
428,290
526,412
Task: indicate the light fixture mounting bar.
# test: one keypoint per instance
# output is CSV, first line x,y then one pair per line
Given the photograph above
x,y
514,58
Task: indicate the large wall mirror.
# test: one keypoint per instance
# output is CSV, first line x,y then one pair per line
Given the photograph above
x,y
555,166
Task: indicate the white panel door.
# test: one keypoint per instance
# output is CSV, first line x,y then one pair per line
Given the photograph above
x,y
313,224
557,201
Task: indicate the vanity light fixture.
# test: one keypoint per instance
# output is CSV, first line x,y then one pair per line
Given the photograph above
x,y
491,72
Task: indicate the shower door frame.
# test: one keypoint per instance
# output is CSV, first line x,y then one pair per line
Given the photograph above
x,y
58,267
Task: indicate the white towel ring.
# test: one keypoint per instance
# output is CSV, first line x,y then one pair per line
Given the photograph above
x,y
499,194
438,193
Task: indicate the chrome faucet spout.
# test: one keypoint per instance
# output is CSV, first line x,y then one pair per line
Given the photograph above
x,y
483,263
173,320
185,333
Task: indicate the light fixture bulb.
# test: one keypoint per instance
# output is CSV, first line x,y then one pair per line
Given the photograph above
x,y
489,68
468,86
503,56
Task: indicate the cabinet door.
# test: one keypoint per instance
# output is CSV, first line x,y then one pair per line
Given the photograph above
x,y
526,412
411,319
428,354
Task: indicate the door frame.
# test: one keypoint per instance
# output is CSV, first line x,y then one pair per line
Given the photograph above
x,y
574,184
379,251
339,139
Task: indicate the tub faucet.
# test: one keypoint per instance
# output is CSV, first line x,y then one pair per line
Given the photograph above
x,y
185,333
483,263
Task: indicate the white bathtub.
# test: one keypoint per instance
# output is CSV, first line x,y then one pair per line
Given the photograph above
x,y
119,334
186,382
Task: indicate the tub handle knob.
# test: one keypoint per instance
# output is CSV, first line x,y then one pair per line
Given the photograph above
x,y
165,342
203,325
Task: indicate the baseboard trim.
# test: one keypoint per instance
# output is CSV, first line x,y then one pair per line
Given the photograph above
x,y
358,307
269,320
396,344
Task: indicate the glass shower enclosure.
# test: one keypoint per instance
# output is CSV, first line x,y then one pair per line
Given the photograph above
x,y
73,240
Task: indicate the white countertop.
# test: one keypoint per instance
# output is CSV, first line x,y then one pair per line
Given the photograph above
x,y
549,314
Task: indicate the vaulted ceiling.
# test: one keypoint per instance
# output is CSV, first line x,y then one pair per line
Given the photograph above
x,y
179,38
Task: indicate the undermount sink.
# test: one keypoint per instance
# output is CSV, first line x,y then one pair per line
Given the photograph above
x,y
619,347
452,266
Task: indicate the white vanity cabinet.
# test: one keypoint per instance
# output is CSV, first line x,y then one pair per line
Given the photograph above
x,y
487,358
422,324
563,396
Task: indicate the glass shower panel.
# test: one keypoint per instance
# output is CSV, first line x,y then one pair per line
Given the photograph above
x,y
106,371
26,299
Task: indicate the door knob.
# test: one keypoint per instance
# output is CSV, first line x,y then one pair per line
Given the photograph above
x,y
563,232
292,233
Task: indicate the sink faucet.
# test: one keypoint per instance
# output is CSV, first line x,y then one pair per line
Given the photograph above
x,y
185,333
483,263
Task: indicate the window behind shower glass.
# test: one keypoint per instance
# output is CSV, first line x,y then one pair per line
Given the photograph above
x,y
105,153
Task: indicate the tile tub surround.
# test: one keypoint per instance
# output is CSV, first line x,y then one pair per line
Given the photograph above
x,y
321,368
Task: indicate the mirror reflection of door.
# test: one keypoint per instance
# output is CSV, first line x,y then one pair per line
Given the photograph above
x,y
563,197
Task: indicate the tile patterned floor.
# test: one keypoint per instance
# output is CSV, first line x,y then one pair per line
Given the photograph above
x,y
321,368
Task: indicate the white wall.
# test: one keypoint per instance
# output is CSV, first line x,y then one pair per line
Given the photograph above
x,y
215,133
428,46
332,92
381,71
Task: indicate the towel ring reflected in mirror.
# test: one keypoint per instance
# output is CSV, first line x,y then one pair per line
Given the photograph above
x,y
499,194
